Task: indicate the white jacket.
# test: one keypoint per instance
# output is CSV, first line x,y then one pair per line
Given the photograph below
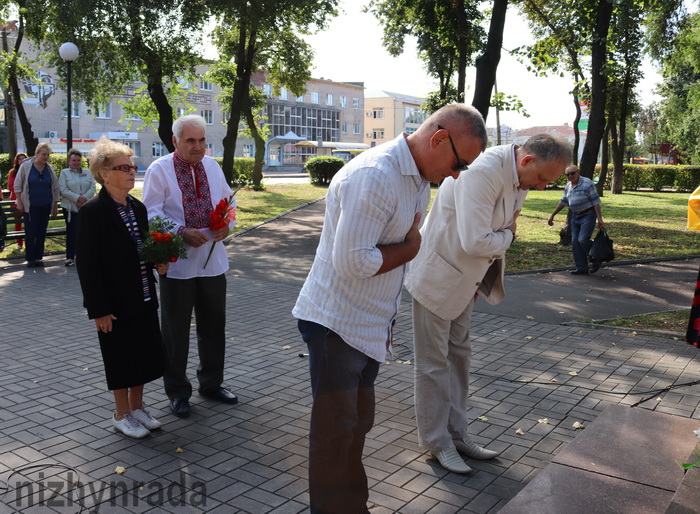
x,y
465,236
73,185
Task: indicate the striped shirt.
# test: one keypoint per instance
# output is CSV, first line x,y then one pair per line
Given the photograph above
x,y
580,197
371,201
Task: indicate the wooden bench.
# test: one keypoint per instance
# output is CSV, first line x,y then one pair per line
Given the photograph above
x,y
57,224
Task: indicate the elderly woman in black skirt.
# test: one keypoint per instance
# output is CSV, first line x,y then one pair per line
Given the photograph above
x,y
119,287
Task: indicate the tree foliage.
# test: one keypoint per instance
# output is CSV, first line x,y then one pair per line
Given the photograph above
x,y
680,90
262,36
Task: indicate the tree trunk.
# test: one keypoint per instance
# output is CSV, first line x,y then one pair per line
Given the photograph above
x,y
30,142
610,130
245,52
487,64
165,110
577,133
10,109
461,50
596,121
259,149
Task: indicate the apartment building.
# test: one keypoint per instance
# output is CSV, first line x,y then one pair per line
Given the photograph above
x,y
327,114
389,114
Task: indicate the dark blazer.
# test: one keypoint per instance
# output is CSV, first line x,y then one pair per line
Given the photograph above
x,y
108,260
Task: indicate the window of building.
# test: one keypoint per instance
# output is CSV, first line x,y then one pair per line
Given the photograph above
x,y
315,97
329,99
343,101
159,150
208,116
103,111
378,113
267,89
355,128
205,85
344,126
284,94
135,146
300,98
414,115
75,111
378,134
356,103
249,151
183,82
182,111
209,149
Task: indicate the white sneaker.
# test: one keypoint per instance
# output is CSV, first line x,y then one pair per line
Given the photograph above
x,y
451,461
130,427
144,417
473,450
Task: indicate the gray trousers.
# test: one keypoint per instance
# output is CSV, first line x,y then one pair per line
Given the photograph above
x,y
207,296
442,357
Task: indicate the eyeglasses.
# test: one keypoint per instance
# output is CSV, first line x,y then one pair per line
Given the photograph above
x,y
126,168
461,165
571,173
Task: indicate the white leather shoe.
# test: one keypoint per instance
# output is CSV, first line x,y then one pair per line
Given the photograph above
x,y
451,461
471,449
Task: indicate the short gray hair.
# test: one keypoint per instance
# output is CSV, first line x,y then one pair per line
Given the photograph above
x,y
191,120
549,148
463,116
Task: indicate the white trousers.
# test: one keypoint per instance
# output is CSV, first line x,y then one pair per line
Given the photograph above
x,y
442,355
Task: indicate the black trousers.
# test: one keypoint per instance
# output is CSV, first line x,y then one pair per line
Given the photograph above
x,y
178,297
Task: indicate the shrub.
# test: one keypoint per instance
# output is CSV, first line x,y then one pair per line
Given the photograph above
x,y
655,176
323,168
242,171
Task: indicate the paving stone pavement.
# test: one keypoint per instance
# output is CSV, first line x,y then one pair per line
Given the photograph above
x,y
55,409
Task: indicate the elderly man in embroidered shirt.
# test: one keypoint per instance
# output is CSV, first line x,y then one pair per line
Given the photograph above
x,y
470,226
350,299
581,196
184,187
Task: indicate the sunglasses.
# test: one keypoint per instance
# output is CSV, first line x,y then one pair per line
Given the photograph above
x,y
127,168
571,174
461,165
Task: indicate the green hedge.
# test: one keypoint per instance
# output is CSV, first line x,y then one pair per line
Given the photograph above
x,y
242,168
657,177
242,171
322,169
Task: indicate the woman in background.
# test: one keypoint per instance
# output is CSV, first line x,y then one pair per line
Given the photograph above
x,y
37,197
118,287
19,158
77,186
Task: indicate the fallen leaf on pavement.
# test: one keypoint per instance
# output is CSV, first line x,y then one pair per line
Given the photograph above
x,y
120,470
543,420
520,431
578,426
482,418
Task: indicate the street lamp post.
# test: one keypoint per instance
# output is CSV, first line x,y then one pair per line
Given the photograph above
x,y
69,53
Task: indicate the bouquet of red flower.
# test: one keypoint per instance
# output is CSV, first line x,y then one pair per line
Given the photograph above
x,y
160,245
222,215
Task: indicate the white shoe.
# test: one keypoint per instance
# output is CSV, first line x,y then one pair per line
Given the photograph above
x,y
144,417
130,427
471,449
451,461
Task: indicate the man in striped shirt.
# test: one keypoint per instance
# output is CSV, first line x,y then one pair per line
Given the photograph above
x,y
351,296
581,196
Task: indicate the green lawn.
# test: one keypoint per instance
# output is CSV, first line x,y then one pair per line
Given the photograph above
x,y
642,224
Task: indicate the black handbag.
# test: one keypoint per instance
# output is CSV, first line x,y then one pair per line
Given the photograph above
x,y
602,248
3,228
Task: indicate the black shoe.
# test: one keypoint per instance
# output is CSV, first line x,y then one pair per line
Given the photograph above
x,y
595,266
221,394
31,264
39,263
180,407
579,272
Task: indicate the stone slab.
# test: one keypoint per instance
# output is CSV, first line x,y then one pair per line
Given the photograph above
x,y
562,489
634,444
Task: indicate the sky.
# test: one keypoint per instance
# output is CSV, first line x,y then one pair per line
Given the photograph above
x,y
351,50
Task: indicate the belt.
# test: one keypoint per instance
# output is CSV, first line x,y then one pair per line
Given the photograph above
x,y
584,211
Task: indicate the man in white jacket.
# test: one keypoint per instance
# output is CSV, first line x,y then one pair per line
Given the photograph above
x,y
465,236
